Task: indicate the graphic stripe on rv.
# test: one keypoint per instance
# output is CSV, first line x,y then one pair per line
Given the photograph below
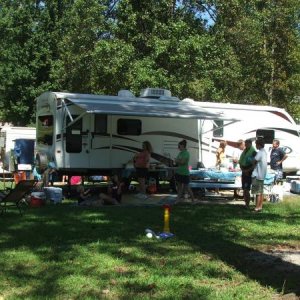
x,y
290,131
174,134
158,157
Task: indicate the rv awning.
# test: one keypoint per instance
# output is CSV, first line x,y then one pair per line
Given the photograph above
x,y
145,107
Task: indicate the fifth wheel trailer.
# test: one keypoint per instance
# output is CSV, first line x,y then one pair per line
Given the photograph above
x,y
99,134
254,121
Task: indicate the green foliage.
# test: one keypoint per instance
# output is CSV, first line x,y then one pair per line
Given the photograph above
x,y
237,51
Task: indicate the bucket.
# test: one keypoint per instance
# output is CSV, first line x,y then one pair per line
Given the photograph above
x,y
53,194
37,199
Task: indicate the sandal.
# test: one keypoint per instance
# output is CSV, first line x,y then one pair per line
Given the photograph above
x,y
257,209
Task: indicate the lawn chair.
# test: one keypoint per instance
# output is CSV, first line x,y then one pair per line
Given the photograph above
x,y
16,196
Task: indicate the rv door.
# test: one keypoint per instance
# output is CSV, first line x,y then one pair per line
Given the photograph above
x,y
76,142
87,142
100,142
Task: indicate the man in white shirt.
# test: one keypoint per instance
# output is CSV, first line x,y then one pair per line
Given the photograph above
x,y
259,173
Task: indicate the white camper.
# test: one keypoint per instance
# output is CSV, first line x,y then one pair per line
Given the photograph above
x,y
17,148
98,134
255,121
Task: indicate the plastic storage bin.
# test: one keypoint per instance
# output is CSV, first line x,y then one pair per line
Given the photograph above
x,y
53,194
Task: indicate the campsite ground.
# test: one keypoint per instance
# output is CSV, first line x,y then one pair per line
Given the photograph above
x,y
220,251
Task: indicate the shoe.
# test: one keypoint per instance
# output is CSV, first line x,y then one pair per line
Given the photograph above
x,y
257,209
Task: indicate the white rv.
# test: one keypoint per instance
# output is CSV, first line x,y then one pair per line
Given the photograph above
x,y
96,134
255,121
17,148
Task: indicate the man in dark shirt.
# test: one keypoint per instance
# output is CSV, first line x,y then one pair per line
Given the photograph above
x,y
277,156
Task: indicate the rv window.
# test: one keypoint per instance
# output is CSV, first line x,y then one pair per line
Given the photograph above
x,y
45,129
73,136
267,135
218,130
129,127
100,124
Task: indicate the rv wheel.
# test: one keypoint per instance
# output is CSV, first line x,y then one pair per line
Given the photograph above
x,y
41,162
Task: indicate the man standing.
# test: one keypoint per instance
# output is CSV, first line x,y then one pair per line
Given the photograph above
x,y
259,173
277,156
246,165
236,154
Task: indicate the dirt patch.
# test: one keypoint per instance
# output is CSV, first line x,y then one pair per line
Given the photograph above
x,y
279,264
282,259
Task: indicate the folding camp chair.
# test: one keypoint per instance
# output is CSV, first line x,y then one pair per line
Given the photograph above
x,y
16,196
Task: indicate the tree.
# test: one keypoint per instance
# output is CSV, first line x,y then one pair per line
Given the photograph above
x,y
232,51
26,57
83,26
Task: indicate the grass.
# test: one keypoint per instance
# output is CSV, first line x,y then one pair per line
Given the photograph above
x,y
67,252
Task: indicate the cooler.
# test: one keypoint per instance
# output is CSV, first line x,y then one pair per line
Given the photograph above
x,y
292,178
37,199
295,186
53,194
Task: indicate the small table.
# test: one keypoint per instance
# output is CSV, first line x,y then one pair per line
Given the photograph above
x,y
157,174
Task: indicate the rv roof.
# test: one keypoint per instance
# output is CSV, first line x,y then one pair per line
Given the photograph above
x,y
239,106
146,107
232,109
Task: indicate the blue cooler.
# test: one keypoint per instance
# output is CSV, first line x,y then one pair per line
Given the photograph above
x,y
53,194
295,186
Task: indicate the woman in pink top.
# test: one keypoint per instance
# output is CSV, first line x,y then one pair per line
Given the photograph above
x,y
141,163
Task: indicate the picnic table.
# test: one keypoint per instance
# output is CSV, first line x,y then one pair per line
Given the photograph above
x,y
223,180
215,179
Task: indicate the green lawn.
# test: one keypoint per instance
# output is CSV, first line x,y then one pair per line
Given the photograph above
x,y
67,252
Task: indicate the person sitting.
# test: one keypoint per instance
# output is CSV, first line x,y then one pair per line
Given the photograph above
x,y
113,196
82,194
114,193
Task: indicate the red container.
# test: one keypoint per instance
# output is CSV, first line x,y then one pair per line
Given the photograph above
x,y
36,202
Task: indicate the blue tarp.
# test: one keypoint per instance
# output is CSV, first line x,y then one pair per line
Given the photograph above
x,y
217,175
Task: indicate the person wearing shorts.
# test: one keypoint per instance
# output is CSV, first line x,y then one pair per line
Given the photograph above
x,y
141,163
246,165
277,156
182,175
259,173
257,186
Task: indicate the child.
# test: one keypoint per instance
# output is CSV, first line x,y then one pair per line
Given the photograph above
x,y
83,195
114,195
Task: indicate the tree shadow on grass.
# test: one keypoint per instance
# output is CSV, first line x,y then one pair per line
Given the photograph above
x,y
206,228
265,267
